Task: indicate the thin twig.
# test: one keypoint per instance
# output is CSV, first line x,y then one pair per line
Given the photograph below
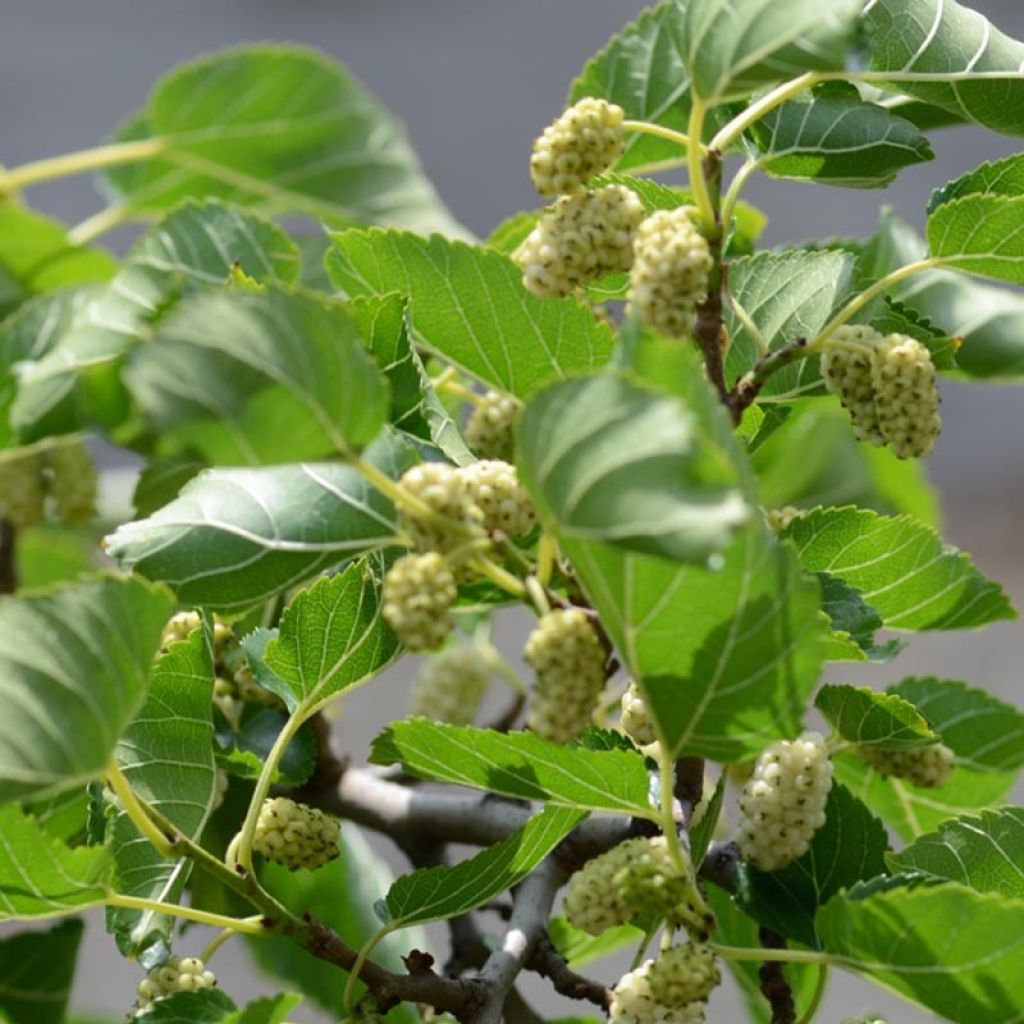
x,y
8,557
549,963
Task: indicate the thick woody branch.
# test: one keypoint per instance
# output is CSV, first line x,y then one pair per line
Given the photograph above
x,y
528,923
8,557
774,986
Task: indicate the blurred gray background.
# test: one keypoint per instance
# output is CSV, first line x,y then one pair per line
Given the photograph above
x,y
475,81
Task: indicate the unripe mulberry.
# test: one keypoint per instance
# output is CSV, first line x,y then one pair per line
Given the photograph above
x,y
580,239
445,492
906,396
635,721
72,482
633,1002
783,802
848,373
927,767
490,428
180,625
684,974
586,140
565,652
418,593
22,490
780,519
495,489
178,974
635,877
672,261
451,686
247,689
295,835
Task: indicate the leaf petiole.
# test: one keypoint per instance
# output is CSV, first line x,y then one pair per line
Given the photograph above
x,y
81,162
132,806
246,925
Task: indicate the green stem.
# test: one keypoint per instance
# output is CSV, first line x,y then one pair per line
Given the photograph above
x,y
132,806
698,183
762,955
816,997
881,286
661,132
668,815
98,224
243,849
547,555
215,943
735,190
80,162
246,925
752,329
498,576
364,955
730,132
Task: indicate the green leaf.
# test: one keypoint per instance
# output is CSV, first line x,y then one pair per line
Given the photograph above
x,y
703,832
736,929
36,256
726,656
813,459
205,1006
331,638
278,127
992,178
854,623
64,816
984,852
581,949
955,951
75,376
49,554
236,537
987,737
42,877
901,568
945,38
160,482
732,49
256,736
74,662
268,1010
642,69
871,719
437,893
37,969
980,234
518,764
832,137
254,378
469,306
343,893
609,461
166,754
848,848
788,295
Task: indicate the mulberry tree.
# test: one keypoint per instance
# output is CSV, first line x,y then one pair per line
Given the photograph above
x,y
368,434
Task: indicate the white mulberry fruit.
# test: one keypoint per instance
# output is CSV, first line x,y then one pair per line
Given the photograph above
x,y
418,593
684,974
178,974
780,519
444,490
22,489
906,396
451,686
672,261
180,625
586,140
636,877
847,371
783,802
295,835
928,767
73,482
635,721
567,656
495,489
490,429
634,1002
580,239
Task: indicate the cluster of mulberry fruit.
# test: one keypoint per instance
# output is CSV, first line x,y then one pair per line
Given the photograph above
x,y
928,767
670,272
418,593
634,1002
490,429
65,474
635,877
295,835
451,686
888,386
635,721
684,974
783,802
566,654
178,974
